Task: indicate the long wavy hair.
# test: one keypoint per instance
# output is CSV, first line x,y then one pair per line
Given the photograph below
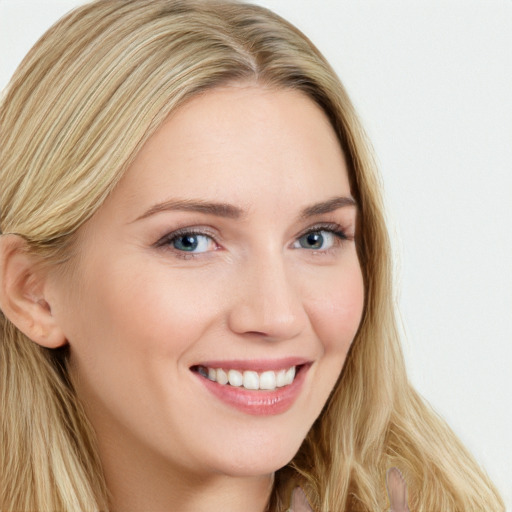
x,y
77,111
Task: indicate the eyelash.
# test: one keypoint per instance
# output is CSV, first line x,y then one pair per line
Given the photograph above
x,y
329,227
166,241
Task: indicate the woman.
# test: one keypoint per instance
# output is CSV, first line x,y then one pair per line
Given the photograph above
x,y
196,287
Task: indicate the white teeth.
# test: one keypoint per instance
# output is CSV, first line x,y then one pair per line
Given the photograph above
x,y
268,380
251,380
222,376
281,378
290,375
235,378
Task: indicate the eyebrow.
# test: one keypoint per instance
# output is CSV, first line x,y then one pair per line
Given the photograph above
x,y
230,211
328,206
196,205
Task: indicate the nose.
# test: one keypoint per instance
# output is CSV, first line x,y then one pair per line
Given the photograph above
x,y
267,301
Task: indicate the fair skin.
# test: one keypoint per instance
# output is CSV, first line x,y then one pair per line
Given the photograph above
x,y
262,276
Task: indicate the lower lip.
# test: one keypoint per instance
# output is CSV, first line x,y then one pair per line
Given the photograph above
x,y
258,402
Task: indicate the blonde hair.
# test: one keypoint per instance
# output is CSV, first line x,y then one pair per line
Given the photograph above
x,y
77,111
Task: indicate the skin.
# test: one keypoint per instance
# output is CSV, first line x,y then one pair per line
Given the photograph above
x,y
397,490
138,313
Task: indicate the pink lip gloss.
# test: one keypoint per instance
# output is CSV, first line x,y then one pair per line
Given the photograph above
x,y
257,402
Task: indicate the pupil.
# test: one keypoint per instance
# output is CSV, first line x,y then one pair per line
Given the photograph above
x,y
315,240
187,243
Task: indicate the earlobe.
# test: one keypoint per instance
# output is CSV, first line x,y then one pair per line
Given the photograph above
x,y
22,293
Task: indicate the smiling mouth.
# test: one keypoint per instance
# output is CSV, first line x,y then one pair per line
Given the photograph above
x,y
248,379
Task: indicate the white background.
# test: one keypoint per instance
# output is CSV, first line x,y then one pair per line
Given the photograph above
x,y
432,81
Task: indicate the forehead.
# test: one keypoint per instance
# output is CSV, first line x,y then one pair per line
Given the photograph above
x,y
231,143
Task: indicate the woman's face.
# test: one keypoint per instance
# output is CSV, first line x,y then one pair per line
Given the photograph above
x,y
225,252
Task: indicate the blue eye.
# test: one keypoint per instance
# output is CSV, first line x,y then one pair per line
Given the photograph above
x,y
319,240
192,242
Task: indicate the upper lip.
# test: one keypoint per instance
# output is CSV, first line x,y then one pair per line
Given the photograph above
x,y
257,365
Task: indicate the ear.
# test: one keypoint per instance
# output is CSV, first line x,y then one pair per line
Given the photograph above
x,y
23,300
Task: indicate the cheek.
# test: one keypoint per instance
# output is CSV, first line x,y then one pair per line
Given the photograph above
x,y
132,325
336,308
172,308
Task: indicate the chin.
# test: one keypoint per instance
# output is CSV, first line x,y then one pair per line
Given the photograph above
x,y
257,461
255,468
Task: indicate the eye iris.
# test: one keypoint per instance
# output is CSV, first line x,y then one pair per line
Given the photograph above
x,y
313,241
186,243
